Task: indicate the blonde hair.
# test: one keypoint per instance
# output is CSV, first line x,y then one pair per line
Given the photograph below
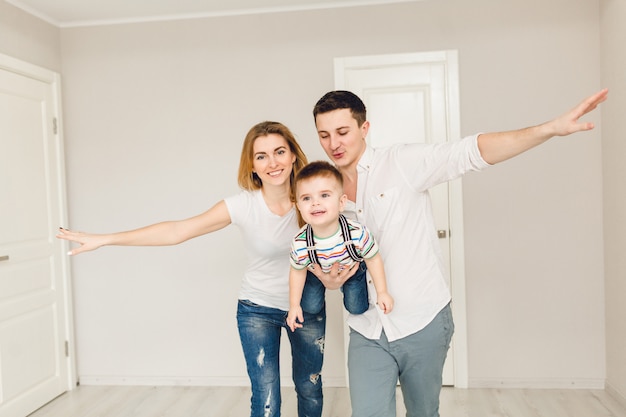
x,y
250,181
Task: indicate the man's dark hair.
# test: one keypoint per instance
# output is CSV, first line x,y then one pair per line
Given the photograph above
x,y
341,99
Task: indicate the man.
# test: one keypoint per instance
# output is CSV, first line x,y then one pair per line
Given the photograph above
x,y
387,191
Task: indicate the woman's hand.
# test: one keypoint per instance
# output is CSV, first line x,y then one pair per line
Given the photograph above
x,y
87,241
334,278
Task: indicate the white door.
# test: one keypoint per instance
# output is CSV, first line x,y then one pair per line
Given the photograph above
x,y
415,98
34,285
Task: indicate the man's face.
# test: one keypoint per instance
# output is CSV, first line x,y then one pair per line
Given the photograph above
x,y
341,137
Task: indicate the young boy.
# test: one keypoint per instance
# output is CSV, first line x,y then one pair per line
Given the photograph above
x,y
326,238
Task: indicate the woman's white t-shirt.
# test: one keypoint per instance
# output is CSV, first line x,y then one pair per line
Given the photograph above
x,y
266,239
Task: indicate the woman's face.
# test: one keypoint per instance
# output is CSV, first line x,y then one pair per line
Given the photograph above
x,y
272,159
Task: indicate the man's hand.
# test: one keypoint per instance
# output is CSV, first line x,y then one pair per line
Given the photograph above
x,y
334,278
568,123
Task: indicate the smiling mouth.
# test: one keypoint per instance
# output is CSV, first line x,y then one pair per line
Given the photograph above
x,y
275,173
317,212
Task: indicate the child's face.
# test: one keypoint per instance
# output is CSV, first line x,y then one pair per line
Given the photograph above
x,y
320,200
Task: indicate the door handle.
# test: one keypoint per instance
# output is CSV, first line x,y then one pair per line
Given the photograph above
x,y
441,234
4,258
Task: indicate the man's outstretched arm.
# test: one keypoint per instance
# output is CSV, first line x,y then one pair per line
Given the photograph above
x,y
500,146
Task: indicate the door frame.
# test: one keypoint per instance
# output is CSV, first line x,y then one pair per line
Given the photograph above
x,y
455,189
53,79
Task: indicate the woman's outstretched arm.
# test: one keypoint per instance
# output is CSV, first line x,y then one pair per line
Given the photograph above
x,y
158,234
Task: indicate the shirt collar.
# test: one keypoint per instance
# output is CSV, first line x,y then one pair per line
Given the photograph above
x,y
366,159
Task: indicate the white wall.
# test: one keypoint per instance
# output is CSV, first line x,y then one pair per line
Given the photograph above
x,y
28,38
155,116
613,152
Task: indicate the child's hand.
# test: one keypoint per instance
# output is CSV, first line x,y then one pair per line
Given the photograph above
x,y
385,302
293,315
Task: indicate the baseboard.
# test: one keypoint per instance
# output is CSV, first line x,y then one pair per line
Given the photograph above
x,y
537,383
163,381
617,395
188,381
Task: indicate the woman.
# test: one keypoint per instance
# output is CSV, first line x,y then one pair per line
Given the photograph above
x,y
265,213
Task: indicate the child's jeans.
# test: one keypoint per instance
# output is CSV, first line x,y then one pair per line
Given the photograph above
x,y
355,298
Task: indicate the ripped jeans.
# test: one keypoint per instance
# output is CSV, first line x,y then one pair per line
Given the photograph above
x,y
260,331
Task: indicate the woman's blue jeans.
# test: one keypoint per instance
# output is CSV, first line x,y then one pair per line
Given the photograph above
x,y
355,298
260,331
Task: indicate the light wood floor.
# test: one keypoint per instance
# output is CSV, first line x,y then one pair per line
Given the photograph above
x,y
133,401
